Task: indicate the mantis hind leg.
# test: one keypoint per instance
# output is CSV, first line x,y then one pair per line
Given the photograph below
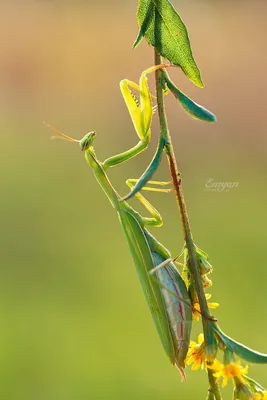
x,y
156,219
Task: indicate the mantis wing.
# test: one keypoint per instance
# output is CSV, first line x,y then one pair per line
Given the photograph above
x,y
179,312
142,257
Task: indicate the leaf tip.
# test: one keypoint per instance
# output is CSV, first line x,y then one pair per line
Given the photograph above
x,y
138,39
198,82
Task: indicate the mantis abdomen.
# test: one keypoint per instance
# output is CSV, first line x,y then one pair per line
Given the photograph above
x,y
179,312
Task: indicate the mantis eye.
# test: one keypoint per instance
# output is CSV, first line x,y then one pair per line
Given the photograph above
x,y
84,145
87,140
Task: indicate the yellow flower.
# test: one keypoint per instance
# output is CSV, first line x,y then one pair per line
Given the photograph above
x,y
260,396
196,307
232,370
196,353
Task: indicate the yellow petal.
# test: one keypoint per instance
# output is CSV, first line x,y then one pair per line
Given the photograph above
x,y
217,374
216,366
224,382
195,366
244,370
189,360
200,338
192,343
196,316
213,305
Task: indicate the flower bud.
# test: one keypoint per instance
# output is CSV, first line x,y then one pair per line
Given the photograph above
x,y
206,281
243,392
228,356
204,266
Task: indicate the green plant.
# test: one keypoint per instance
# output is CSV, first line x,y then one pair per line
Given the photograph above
x,y
173,299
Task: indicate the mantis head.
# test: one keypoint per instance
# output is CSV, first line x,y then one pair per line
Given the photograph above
x,y
85,142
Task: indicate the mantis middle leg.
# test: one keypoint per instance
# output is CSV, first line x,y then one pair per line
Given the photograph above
x,y
155,219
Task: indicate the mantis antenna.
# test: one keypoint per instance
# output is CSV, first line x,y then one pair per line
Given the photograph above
x,y
62,135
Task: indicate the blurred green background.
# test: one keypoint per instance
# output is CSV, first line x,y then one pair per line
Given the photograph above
x,y
74,322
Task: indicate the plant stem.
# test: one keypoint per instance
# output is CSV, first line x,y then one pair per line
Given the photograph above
x,y
214,387
188,237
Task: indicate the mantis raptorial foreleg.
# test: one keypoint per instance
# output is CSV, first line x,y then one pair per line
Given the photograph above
x,y
141,112
147,114
190,106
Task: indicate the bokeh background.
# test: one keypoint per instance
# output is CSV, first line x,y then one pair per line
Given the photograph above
x,y
74,322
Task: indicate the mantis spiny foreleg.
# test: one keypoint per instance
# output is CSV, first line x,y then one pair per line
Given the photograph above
x,y
141,112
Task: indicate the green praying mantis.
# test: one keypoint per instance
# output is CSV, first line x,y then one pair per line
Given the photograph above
x,y
165,290
163,286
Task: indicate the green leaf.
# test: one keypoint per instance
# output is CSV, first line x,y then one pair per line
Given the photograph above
x,y
164,29
194,109
240,349
146,22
